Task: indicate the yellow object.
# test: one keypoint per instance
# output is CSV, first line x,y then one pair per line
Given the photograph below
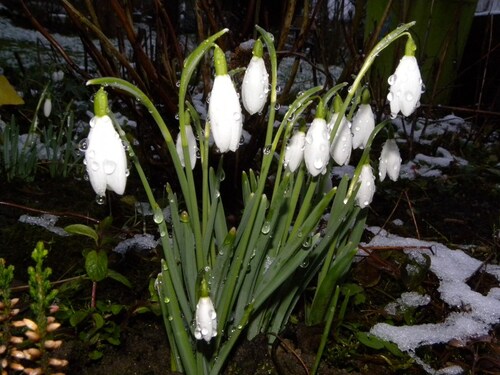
x,y
8,94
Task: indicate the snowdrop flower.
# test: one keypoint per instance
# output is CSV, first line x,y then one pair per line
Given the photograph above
x,y
294,152
105,155
316,146
366,189
205,316
224,108
390,160
363,122
57,76
47,106
406,83
341,146
254,88
191,144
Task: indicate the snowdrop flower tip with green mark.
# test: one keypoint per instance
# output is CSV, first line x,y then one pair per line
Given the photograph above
x,y
366,189
341,146
191,144
316,147
390,161
254,88
105,155
224,109
205,317
294,152
406,83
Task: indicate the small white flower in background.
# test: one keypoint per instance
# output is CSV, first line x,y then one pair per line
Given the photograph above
x,y
47,106
406,83
205,316
191,144
224,108
105,155
366,189
255,86
390,161
294,152
341,146
57,76
316,148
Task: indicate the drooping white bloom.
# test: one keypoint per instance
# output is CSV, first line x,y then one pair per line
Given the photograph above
x,y
225,114
316,147
206,320
254,88
366,189
47,107
341,146
390,160
405,87
105,157
191,144
57,76
363,124
294,152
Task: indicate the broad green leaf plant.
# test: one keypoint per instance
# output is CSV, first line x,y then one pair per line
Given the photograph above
x,y
218,282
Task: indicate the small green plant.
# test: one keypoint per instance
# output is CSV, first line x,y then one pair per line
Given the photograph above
x,y
97,326
96,259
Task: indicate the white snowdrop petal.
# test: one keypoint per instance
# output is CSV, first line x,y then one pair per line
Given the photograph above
x,y
254,88
341,146
366,189
225,114
390,161
295,151
363,124
316,149
47,107
191,144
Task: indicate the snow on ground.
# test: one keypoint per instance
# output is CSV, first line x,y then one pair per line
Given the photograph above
x,y
474,314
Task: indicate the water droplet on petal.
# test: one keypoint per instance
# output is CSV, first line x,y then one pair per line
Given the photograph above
x,y
392,79
390,96
318,163
409,96
109,166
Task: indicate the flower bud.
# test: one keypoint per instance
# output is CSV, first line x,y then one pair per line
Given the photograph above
x,y
47,106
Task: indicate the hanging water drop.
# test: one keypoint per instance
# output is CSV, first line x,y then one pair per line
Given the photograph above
x,y
100,199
